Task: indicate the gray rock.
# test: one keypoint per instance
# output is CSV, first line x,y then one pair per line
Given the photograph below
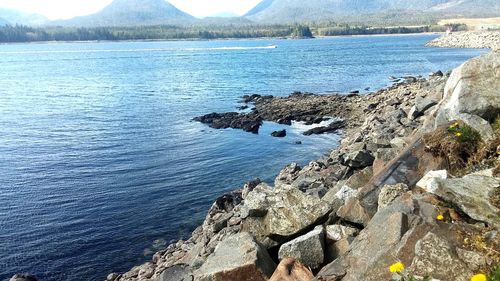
x,y
354,212
358,159
307,249
178,272
288,174
479,124
274,215
337,232
435,257
238,257
472,88
421,105
471,194
112,276
389,193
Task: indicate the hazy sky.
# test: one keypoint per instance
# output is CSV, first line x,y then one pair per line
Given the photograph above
x,y
63,9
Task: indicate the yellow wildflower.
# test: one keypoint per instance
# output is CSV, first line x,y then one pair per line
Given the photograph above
x,y
440,217
458,134
454,125
398,267
478,277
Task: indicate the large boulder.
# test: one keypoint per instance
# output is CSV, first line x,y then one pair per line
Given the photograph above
x,y
238,257
473,88
291,270
274,215
307,249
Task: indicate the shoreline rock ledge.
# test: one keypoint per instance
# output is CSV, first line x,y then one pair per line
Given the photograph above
x,y
390,193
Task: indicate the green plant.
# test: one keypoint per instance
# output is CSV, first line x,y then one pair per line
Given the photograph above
x,y
494,274
465,133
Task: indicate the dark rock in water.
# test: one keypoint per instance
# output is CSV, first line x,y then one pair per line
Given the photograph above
x,y
298,142
437,73
315,120
23,277
334,126
228,201
410,79
247,122
279,134
243,107
254,98
367,88
285,121
355,92
351,95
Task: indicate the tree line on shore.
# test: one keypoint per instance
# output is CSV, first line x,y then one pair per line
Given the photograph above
x,y
21,33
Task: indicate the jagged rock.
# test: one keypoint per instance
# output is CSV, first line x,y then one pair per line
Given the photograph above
x,y
23,277
274,215
429,182
249,186
360,178
345,192
112,276
332,127
472,194
398,143
238,257
389,193
434,257
279,134
421,105
307,249
358,159
473,89
338,232
291,270
382,157
354,212
288,174
338,240
146,270
408,168
178,272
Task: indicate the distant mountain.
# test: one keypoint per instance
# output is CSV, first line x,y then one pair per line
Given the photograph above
x,y
18,17
286,11
132,13
3,22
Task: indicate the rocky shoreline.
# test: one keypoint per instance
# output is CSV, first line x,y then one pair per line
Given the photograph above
x,y
469,39
405,186
386,195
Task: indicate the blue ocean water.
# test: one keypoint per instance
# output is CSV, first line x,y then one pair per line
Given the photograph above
x,y
100,164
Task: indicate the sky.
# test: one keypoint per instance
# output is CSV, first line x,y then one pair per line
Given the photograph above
x,y
64,9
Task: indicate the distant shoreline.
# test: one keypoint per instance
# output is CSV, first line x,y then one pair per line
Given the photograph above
x,y
226,39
